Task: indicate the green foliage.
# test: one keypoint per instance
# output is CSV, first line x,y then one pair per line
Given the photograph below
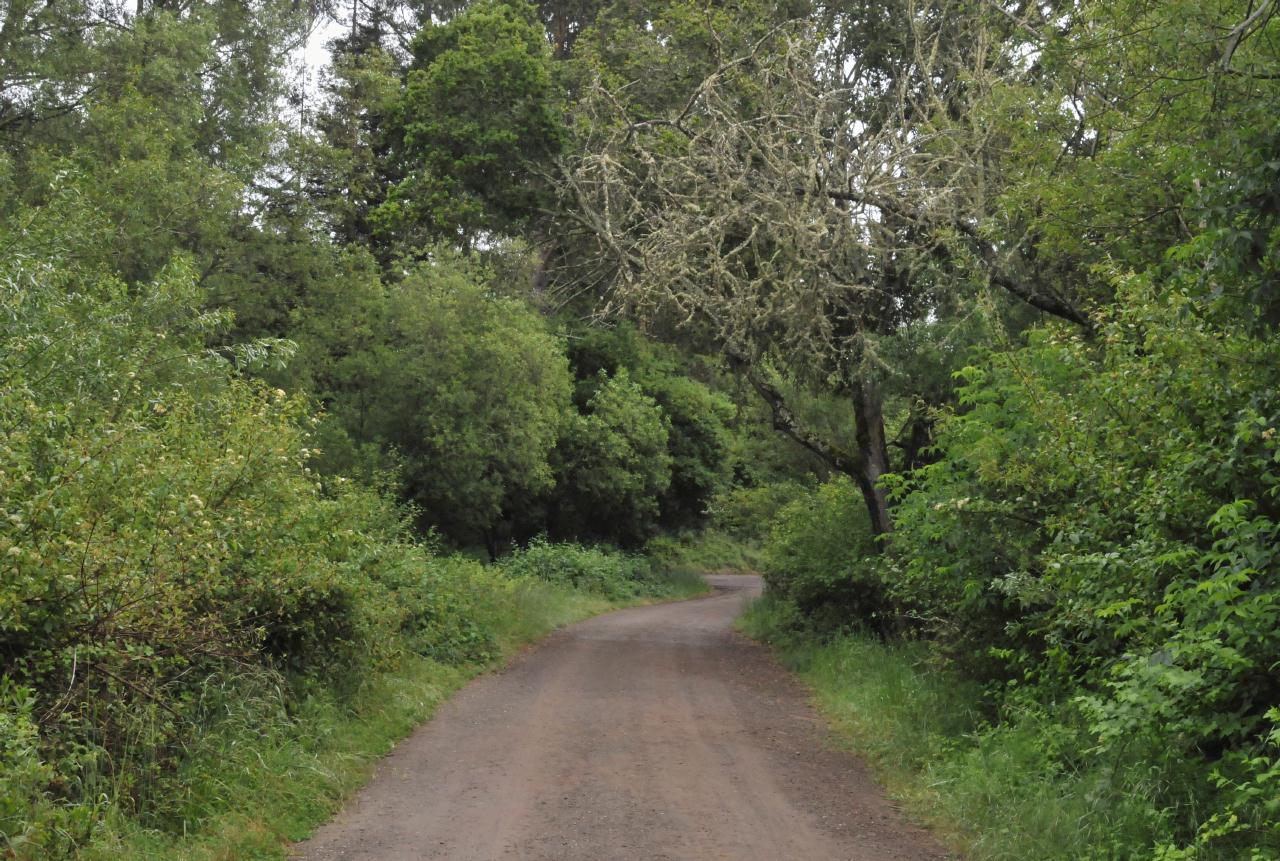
x,y
697,415
1029,784
589,569
614,464
819,552
705,551
31,819
1134,115
162,535
1102,526
479,110
347,167
696,441
747,512
159,521
158,524
468,390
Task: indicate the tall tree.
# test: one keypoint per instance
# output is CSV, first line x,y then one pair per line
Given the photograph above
x,y
800,206
478,109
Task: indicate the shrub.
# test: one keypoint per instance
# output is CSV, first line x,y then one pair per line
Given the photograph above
x,y
158,526
704,551
746,512
820,555
464,391
614,464
1101,529
31,820
591,569
443,604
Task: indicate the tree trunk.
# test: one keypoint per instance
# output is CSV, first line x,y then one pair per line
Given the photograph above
x,y
872,461
866,465
916,439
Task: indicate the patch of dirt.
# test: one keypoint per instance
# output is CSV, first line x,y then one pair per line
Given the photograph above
x,y
650,733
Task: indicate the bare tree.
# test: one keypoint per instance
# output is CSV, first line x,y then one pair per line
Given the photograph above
x,y
816,192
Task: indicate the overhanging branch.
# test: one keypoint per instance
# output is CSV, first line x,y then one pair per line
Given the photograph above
x,y
1049,303
785,421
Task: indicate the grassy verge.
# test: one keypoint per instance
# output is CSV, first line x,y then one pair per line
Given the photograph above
x,y
992,787
707,551
273,768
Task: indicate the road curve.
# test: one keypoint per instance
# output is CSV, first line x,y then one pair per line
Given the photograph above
x,y
650,733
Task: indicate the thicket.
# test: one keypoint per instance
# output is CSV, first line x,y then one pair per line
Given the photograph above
x,y
1095,545
163,538
254,410
597,571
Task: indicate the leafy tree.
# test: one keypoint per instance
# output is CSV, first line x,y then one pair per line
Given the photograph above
x,y
469,390
348,166
774,212
479,108
697,415
613,465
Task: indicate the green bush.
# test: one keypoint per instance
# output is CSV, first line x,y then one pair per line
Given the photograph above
x,y
820,554
594,569
465,392
1028,785
160,528
708,550
745,512
158,522
614,464
1101,530
697,415
32,820
445,605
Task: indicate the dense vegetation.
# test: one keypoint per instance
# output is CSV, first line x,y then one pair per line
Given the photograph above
x,y
957,318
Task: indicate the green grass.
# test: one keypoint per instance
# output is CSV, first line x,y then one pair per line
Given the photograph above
x,y
707,551
267,774
1010,787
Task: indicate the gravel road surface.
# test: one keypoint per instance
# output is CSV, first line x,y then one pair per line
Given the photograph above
x,y
650,733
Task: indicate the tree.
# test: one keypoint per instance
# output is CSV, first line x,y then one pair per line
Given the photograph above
x,y
613,465
697,415
811,200
468,390
347,164
478,108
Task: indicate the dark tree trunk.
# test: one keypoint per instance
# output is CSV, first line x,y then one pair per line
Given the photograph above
x,y
916,439
866,465
872,461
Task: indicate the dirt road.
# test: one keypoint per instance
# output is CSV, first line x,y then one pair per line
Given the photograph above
x,y
650,733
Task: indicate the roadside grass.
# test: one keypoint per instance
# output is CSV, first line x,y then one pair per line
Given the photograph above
x,y
678,583
991,787
273,766
707,551
262,776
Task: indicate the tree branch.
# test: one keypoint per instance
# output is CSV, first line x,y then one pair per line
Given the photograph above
x,y
1050,304
784,420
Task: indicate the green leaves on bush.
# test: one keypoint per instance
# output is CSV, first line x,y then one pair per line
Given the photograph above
x,y
614,463
161,530
591,569
818,556
1101,528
